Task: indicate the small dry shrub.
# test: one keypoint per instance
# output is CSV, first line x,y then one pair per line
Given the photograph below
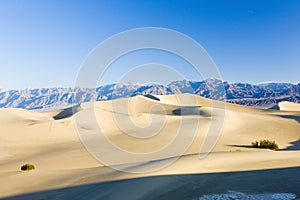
x,y
265,144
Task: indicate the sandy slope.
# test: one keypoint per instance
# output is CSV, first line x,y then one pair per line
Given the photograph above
x,y
289,106
61,159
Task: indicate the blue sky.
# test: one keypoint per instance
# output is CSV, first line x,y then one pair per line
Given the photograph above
x,y
44,43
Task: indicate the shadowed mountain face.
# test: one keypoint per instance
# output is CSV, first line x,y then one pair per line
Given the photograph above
x,y
262,95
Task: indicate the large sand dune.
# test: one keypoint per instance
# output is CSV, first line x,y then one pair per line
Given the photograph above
x,y
143,125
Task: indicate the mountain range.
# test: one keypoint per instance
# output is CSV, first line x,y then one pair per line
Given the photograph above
x,y
259,95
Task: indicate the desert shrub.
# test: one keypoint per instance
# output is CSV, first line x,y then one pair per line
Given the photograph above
x,y
265,144
27,167
255,144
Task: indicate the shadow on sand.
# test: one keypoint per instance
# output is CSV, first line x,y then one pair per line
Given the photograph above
x,y
241,146
295,146
68,112
189,186
152,97
294,117
189,110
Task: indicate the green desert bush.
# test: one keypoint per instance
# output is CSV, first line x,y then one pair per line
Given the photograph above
x,y
265,144
27,167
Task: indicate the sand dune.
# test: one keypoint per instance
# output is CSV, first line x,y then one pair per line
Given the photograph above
x,y
144,125
289,106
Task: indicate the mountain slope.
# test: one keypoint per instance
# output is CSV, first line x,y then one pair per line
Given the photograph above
x,y
261,95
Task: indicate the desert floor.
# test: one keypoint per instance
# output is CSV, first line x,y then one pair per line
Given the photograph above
x,y
183,147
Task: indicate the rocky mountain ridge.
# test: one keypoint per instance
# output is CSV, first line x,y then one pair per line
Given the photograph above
x,y
260,95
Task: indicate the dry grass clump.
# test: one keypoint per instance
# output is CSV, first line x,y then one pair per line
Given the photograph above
x,y
27,167
265,144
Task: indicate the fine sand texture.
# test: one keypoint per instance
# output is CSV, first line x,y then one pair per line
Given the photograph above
x,y
148,147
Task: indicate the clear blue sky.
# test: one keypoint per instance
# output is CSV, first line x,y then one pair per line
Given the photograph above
x,y
43,43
